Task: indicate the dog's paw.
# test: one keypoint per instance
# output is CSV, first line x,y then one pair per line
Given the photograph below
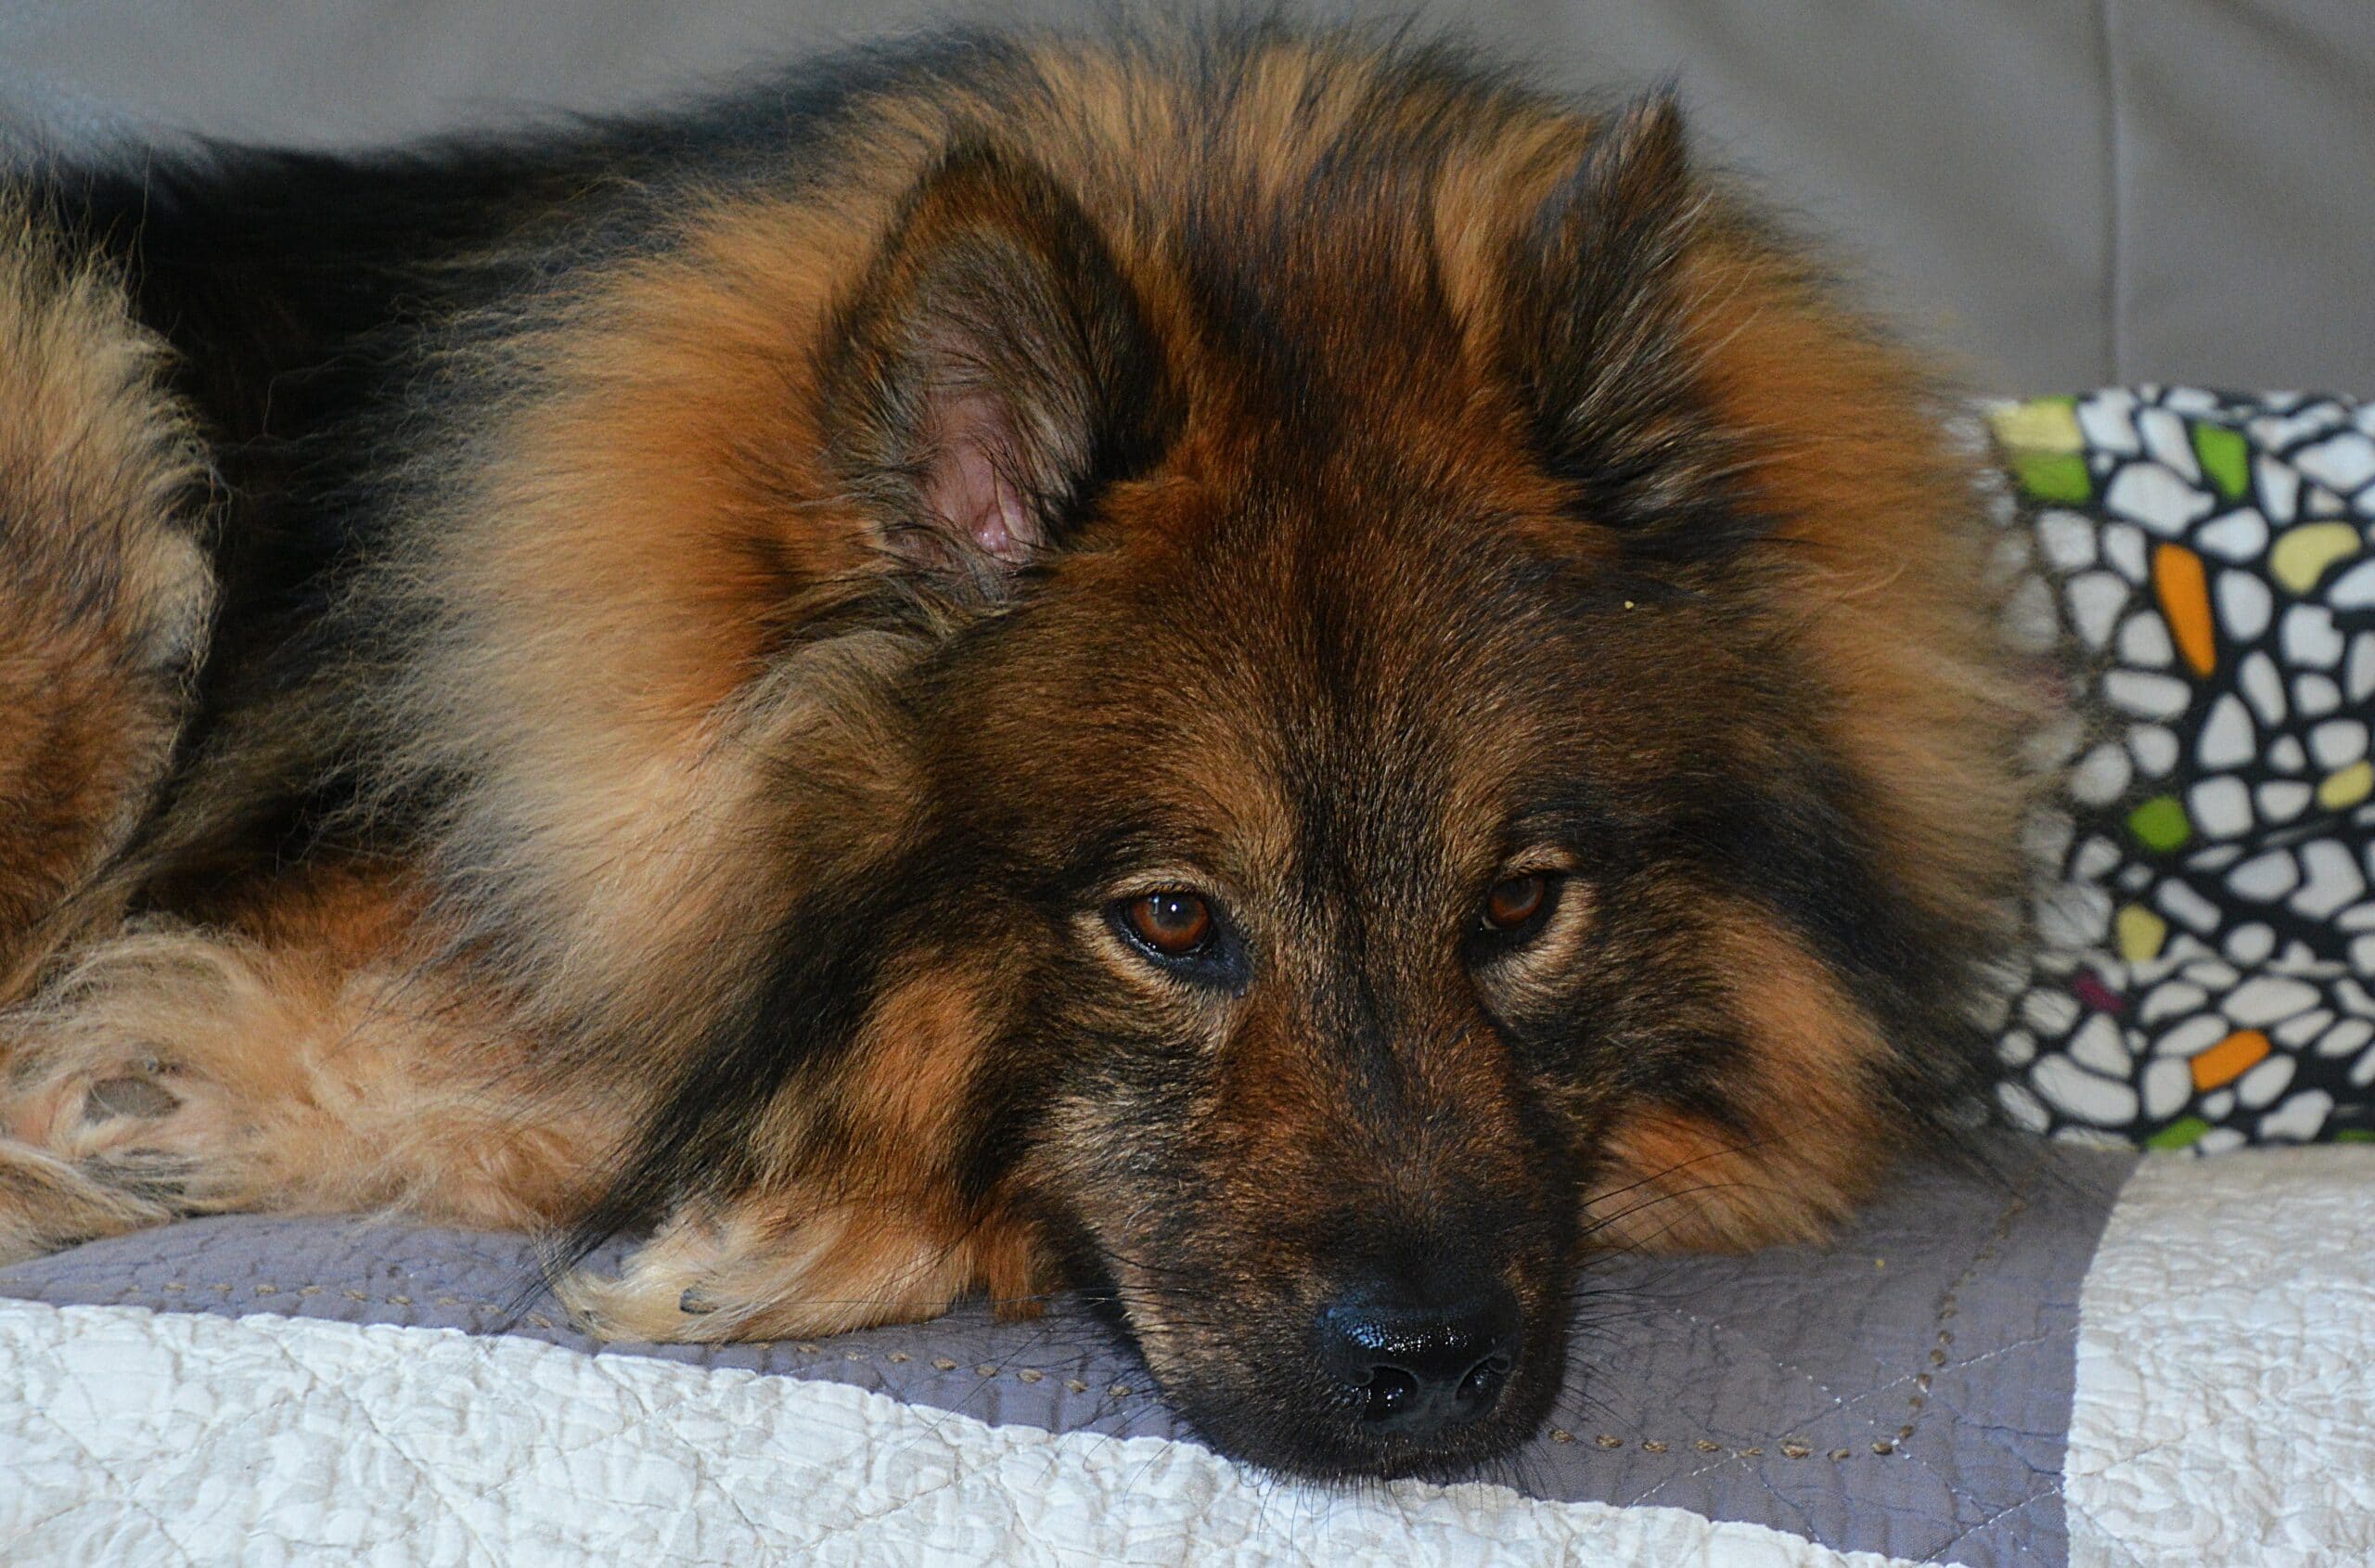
x,y
48,1205
763,1270
86,1109
164,1141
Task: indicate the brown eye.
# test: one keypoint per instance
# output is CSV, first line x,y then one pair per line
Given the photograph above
x,y
1511,903
1176,925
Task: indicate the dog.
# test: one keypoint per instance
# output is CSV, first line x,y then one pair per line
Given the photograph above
x,y
1268,674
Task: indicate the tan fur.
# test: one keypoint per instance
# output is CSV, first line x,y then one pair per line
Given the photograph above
x,y
797,1262
104,591
873,1241
1851,447
306,1065
1677,1183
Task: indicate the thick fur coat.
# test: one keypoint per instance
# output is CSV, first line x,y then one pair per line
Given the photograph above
x,y
1270,675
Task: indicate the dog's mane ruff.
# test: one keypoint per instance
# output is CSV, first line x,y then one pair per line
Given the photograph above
x,y
585,789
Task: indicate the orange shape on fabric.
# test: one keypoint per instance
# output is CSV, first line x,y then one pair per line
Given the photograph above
x,y
2229,1058
2184,591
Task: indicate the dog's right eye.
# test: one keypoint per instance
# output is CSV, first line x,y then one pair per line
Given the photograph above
x,y
1170,924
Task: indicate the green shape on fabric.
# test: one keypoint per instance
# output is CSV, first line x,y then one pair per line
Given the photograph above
x,y
2183,1133
2161,824
2354,1134
2225,458
2053,476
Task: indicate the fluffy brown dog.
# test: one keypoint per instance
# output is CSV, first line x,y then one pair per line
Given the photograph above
x,y
1271,675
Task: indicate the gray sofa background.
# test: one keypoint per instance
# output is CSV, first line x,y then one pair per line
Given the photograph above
x,y
2067,192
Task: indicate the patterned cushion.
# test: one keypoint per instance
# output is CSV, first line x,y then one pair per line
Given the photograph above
x,y
2206,976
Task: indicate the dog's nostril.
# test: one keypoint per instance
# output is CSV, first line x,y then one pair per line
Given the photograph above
x,y
1392,1392
1421,1368
1482,1385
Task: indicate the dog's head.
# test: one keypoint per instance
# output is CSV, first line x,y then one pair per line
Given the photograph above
x,y
1455,734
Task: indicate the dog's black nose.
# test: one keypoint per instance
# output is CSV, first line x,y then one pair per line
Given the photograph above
x,y
1423,1369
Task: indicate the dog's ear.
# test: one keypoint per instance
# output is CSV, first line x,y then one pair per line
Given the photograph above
x,y
1597,337
991,373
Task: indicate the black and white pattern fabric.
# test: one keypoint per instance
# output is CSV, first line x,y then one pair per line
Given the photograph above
x,y
2207,972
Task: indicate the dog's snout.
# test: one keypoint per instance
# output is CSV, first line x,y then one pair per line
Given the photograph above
x,y
1423,1369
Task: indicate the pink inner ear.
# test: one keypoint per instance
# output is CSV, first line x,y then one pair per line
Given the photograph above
x,y
971,486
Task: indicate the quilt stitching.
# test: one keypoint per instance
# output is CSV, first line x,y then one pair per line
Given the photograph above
x,y
2015,1203
164,1531
2206,1386
423,1379
2181,1435
361,1409
641,1419
1852,1402
2014,1543
1926,1500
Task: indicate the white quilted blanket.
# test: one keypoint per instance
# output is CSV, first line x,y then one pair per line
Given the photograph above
x,y
168,1438
2225,1411
2224,1414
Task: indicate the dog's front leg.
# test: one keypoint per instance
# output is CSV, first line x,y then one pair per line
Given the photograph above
x,y
309,1060
789,1262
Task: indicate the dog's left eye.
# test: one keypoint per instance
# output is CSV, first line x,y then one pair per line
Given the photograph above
x,y
1185,935
1174,925
1516,907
